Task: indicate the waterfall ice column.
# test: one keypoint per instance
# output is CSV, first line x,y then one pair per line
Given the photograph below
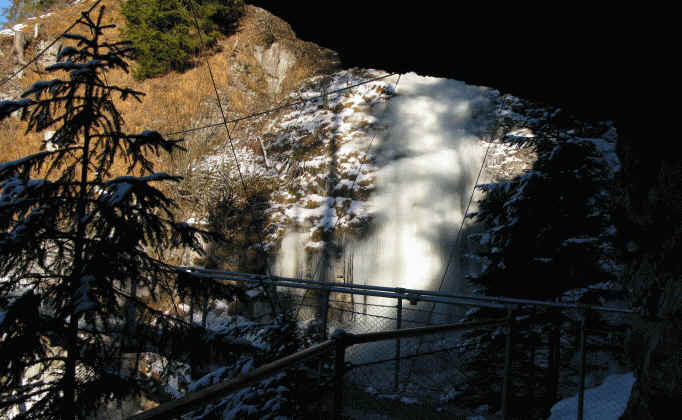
x,y
426,164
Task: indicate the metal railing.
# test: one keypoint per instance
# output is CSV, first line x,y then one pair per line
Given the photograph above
x,y
520,370
339,342
346,367
215,392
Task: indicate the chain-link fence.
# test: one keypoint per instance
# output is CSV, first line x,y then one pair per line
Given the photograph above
x,y
408,378
462,373
551,360
593,375
360,313
566,363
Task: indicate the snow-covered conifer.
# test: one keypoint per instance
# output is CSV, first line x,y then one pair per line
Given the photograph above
x,y
74,241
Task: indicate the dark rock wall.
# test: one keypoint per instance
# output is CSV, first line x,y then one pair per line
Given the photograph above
x,y
651,233
598,61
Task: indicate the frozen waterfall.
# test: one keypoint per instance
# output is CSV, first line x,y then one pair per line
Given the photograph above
x,y
426,163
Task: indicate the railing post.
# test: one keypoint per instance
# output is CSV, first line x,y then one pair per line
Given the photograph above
x,y
581,389
398,325
191,308
532,357
339,370
204,310
554,358
325,312
507,363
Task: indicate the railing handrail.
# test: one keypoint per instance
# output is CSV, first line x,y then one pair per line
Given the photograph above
x,y
341,288
353,339
406,293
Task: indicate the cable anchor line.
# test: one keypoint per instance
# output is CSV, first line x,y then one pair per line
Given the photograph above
x,y
281,107
234,153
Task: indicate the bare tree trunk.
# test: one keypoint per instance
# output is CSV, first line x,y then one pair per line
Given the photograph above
x,y
19,43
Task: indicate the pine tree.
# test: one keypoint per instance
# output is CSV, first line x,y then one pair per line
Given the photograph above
x,y
164,32
74,241
546,232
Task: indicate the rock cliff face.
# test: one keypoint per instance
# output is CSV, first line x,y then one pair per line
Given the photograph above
x,y
651,190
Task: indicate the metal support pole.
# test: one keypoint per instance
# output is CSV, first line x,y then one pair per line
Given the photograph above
x,y
204,310
507,364
398,325
339,371
554,359
191,308
325,312
581,389
532,357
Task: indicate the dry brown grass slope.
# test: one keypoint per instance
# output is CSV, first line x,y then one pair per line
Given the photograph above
x,y
178,101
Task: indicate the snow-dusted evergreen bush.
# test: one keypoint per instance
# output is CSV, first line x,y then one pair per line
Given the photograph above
x,y
73,242
548,234
297,392
547,228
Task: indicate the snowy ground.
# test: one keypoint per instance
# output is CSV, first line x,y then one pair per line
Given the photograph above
x,y
22,26
605,402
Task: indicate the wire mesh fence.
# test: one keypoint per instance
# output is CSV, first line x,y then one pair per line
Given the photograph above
x,y
358,313
561,368
302,390
552,352
551,360
415,377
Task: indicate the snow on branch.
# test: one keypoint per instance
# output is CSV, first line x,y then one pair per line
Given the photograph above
x,y
8,107
15,188
123,185
497,186
39,87
66,52
76,69
26,163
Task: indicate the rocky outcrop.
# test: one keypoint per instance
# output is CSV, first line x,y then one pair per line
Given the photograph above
x,y
649,220
276,61
266,54
50,56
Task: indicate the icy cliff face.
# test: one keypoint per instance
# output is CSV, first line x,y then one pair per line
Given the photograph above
x,y
401,186
371,180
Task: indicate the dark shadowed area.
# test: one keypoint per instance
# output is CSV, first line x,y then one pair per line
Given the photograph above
x,y
599,62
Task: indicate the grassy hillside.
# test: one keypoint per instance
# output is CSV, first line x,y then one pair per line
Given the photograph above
x,y
175,101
